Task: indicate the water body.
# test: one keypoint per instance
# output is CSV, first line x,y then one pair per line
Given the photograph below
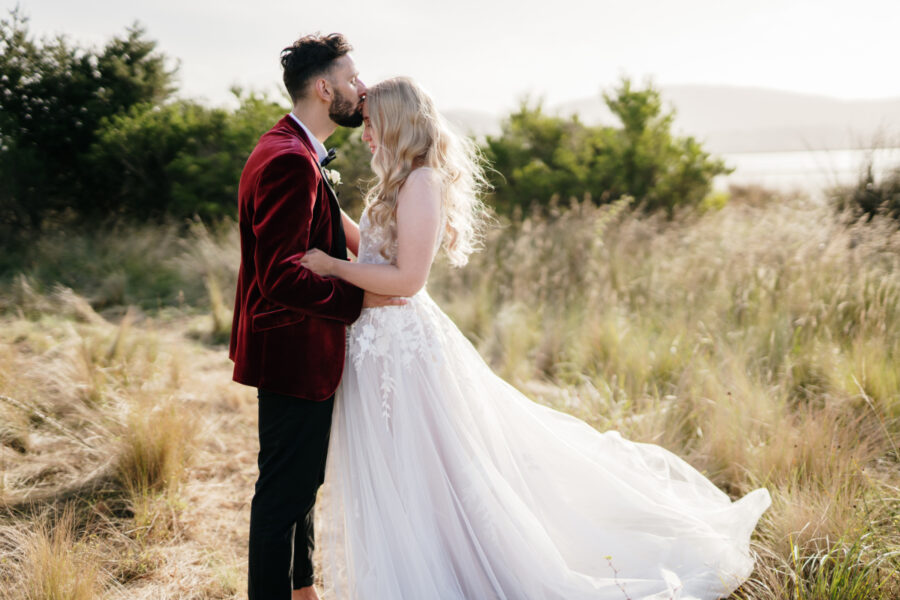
x,y
811,171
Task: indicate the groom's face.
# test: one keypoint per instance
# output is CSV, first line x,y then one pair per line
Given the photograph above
x,y
349,92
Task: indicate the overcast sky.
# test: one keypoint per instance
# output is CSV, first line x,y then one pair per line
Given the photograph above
x,y
487,54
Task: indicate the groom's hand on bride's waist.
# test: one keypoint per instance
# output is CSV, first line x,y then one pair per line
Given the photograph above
x,y
373,300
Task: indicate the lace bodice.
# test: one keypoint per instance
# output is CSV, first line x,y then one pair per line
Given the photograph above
x,y
371,240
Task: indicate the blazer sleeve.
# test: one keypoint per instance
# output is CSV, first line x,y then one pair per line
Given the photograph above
x,y
282,219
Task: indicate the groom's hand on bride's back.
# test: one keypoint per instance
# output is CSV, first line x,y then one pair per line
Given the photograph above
x,y
373,300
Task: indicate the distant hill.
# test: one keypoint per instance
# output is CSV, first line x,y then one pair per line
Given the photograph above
x,y
744,119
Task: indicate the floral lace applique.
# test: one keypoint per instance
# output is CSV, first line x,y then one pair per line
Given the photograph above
x,y
390,339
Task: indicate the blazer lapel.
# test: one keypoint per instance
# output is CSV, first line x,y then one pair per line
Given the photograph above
x,y
339,246
309,146
338,240
328,183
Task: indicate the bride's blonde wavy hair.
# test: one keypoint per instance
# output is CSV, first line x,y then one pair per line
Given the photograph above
x,y
411,134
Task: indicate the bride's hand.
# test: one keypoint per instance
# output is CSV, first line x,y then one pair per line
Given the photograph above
x,y
318,262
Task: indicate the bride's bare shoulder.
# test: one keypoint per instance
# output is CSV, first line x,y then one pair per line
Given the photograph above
x,y
423,181
423,174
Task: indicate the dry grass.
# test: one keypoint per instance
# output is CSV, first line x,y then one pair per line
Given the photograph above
x,y
52,560
105,422
759,341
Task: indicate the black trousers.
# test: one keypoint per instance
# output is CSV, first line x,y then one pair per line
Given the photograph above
x,y
293,445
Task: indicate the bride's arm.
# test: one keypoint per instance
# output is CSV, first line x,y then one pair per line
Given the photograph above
x,y
418,220
351,232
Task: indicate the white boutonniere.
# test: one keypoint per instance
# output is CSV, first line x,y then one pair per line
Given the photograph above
x,y
334,177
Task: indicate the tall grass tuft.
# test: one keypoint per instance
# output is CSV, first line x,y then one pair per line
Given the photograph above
x,y
221,313
153,454
48,561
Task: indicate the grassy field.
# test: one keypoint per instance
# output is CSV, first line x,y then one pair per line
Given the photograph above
x,y
761,342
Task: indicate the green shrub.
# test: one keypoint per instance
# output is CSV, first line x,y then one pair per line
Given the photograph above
x,y
177,160
53,98
538,157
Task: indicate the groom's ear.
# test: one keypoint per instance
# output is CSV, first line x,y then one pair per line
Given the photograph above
x,y
323,89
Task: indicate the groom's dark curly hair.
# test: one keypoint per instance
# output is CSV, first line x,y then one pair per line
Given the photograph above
x,y
309,57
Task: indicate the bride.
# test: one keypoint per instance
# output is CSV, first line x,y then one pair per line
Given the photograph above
x,y
444,481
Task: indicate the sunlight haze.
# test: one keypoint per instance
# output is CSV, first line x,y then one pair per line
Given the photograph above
x,y
486,56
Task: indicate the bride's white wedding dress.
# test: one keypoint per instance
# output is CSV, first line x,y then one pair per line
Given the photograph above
x,y
445,482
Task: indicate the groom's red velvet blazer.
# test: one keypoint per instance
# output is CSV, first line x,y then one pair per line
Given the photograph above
x,y
288,334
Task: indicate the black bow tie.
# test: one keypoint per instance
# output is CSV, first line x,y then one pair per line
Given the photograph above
x,y
332,154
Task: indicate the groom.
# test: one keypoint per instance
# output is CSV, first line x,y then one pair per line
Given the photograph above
x,y
288,334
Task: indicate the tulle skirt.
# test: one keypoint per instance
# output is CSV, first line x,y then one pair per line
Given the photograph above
x,y
445,482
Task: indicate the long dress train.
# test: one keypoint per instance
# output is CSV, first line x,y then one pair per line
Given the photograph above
x,y
445,482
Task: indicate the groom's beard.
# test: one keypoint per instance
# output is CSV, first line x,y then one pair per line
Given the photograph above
x,y
345,113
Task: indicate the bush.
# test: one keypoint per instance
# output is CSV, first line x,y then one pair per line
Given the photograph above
x,y
53,99
539,156
86,134
177,160
871,196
